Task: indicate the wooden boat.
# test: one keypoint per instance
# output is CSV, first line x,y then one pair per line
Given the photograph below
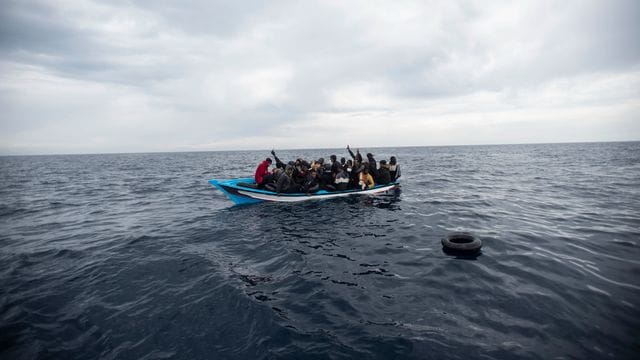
x,y
244,191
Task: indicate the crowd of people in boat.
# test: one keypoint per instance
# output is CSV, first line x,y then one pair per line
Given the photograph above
x,y
301,176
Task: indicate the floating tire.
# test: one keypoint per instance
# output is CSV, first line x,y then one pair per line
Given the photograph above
x,y
460,242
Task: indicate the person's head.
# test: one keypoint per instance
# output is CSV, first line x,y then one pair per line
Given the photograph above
x,y
383,163
321,161
268,160
289,169
369,155
342,160
333,158
350,163
392,160
365,170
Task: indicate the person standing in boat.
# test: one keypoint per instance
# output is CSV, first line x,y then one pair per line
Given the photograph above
x,y
394,169
262,175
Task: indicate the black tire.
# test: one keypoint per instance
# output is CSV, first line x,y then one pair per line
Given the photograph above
x,y
461,242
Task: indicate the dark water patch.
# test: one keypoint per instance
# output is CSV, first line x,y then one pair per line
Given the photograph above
x,y
136,256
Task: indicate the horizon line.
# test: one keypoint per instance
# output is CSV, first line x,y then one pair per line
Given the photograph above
x,y
328,148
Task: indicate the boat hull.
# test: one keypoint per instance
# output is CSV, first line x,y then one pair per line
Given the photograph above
x,y
245,195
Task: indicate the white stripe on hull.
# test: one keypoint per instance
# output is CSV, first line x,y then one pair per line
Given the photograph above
x,y
286,198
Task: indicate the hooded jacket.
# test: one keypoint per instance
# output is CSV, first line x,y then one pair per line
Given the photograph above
x,y
261,171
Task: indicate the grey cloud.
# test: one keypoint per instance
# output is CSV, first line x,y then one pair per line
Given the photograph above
x,y
205,17
185,59
34,33
327,48
584,37
32,27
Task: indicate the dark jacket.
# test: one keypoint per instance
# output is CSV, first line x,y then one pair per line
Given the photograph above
x,y
384,177
394,170
373,166
357,157
311,183
279,163
341,181
283,183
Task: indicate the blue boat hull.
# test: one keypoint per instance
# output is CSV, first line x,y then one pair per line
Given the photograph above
x,y
246,195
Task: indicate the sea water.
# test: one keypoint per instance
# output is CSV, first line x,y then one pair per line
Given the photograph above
x,y
136,256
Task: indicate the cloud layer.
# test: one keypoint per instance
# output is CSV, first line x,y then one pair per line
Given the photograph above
x,y
124,76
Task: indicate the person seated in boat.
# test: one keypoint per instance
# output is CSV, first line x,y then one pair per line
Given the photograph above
x,y
394,169
262,175
373,165
348,169
355,173
384,177
311,182
316,165
326,177
300,172
364,164
341,180
365,179
334,163
270,184
283,182
304,163
293,186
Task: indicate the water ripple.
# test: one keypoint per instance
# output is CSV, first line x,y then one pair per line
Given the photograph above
x,y
136,256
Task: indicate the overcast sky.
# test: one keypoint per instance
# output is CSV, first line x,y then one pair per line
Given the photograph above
x,y
130,76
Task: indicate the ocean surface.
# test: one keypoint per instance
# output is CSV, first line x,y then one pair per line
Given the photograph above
x,y
136,256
